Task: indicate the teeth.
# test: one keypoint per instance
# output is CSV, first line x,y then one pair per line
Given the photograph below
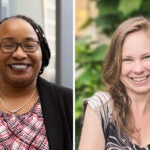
x,y
19,66
138,79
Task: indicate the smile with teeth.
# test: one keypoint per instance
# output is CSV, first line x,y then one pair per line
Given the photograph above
x,y
19,66
139,79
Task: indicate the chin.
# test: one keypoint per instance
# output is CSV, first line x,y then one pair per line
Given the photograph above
x,y
22,81
141,90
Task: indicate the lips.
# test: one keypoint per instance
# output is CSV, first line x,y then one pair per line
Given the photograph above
x,y
139,79
19,67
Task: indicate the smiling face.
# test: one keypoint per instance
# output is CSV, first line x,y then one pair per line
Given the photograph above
x,y
19,68
135,72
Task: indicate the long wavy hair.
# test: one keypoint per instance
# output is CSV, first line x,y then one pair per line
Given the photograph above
x,y
122,114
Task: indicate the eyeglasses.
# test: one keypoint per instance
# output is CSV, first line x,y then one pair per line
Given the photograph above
x,y
27,46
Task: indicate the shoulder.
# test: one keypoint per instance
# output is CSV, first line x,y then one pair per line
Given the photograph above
x,y
57,106
55,96
101,104
58,94
44,84
98,99
93,131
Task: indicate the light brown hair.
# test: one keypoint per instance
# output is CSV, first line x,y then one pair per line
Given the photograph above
x,y
112,70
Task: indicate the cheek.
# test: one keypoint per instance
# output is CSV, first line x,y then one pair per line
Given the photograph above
x,y
4,58
126,69
147,65
39,55
37,58
40,58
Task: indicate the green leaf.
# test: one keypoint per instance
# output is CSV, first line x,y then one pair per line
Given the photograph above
x,y
100,53
146,6
85,78
107,7
129,6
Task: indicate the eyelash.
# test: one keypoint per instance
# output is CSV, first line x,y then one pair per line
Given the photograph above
x,y
146,57
128,59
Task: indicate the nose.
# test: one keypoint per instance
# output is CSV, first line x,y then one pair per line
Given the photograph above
x,y
19,53
138,68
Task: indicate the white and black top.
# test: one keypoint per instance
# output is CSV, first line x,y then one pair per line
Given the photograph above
x,y
102,105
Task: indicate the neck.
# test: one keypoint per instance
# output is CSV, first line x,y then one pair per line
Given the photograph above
x,y
14,92
14,111
140,103
17,100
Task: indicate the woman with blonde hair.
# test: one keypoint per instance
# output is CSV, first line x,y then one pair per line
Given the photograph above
x,y
119,118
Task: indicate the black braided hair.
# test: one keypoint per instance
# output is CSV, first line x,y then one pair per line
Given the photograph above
x,y
41,36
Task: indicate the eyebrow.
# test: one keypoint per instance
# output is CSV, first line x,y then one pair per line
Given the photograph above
x,y
25,39
126,55
30,39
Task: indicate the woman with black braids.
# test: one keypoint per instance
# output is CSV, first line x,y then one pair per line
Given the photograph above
x,y
34,114
119,119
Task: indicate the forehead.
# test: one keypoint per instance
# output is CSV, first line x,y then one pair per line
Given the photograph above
x,y
14,22
136,42
16,26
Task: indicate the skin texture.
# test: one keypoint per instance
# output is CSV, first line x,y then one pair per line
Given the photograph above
x,y
17,85
18,30
92,137
135,74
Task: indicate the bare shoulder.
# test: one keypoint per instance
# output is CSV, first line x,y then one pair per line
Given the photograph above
x,y
101,103
92,137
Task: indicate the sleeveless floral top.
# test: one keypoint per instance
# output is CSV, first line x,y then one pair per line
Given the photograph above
x,y
101,104
23,132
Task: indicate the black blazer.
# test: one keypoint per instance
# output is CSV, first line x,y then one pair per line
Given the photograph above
x,y
57,108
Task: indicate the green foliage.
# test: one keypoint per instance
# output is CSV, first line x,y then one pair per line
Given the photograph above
x,y
89,59
112,12
89,80
128,6
89,64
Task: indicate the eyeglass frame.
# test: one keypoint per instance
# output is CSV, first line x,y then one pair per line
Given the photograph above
x,y
21,45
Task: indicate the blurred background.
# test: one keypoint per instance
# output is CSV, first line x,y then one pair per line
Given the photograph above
x,y
95,21
56,19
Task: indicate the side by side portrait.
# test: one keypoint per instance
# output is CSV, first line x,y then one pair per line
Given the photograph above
x,y
74,75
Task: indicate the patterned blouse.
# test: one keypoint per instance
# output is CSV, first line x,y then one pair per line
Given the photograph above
x,y
23,132
101,104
